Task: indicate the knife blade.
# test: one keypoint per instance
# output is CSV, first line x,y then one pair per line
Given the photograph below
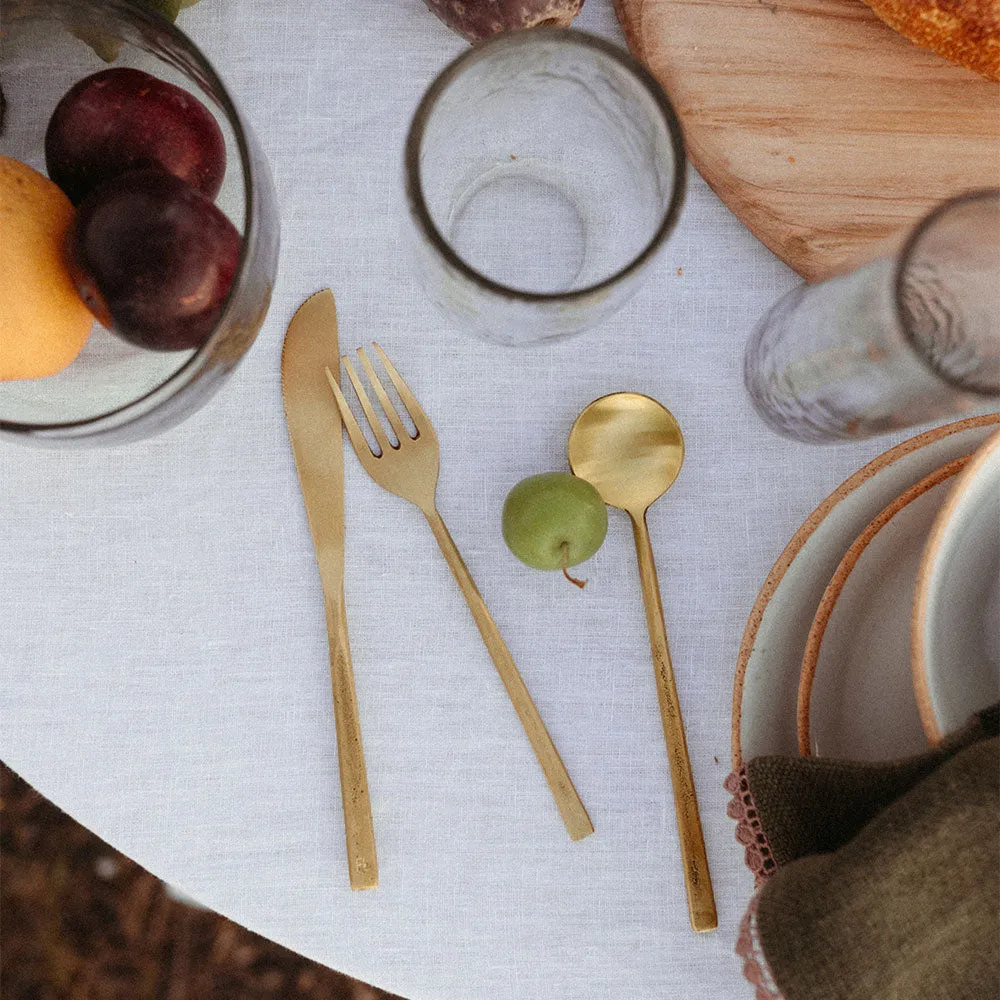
x,y
317,443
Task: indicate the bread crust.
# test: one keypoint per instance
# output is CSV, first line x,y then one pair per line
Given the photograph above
x,y
965,31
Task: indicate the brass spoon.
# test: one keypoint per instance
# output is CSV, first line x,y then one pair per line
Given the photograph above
x,y
630,448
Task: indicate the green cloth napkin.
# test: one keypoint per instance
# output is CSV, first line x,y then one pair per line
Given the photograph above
x,y
877,881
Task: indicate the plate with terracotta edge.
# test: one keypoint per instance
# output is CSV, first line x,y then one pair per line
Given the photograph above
x,y
765,689
856,695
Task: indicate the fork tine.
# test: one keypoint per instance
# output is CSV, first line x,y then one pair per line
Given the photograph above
x,y
420,421
383,397
358,441
366,405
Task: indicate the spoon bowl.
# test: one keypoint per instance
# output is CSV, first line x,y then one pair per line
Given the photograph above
x,y
629,447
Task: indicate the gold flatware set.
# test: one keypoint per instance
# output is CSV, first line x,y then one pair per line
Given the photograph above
x,y
627,445
410,470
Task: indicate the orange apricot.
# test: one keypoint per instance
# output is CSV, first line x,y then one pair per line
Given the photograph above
x,y
43,322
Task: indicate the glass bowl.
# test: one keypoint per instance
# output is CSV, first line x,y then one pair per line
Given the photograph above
x,y
115,391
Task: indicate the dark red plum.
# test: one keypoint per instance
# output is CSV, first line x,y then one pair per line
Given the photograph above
x,y
154,259
123,119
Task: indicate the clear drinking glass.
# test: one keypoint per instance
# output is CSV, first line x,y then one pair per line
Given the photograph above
x,y
116,391
902,340
544,169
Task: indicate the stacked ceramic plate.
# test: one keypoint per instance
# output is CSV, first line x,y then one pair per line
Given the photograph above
x,y
878,628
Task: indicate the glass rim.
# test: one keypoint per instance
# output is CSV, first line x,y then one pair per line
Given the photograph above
x,y
903,259
141,406
567,36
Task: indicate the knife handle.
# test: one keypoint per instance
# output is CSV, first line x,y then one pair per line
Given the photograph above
x,y
358,826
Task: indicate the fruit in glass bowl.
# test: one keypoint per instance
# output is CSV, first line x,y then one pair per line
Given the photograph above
x,y
153,259
115,390
125,119
43,323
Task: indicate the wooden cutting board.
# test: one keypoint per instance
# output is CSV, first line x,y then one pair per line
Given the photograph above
x,y
818,125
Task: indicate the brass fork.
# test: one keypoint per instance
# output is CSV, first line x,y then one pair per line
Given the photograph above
x,y
410,470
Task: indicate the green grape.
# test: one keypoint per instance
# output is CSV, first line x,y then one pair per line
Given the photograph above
x,y
554,520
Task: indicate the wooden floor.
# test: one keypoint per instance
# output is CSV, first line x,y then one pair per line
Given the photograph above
x,y
80,921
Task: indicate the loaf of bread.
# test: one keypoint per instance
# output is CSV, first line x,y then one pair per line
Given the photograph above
x,y
965,31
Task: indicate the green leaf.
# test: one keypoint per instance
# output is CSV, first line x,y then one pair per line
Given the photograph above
x,y
105,47
108,48
168,8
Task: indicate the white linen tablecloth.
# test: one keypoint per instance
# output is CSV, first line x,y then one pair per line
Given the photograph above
x,y
163,662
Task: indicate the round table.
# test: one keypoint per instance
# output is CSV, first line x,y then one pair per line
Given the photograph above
x,y
163,658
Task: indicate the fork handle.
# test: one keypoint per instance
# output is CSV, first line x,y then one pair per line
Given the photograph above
x,y
570,806
358,827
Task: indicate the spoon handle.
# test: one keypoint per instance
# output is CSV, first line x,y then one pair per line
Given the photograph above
x,y
701,900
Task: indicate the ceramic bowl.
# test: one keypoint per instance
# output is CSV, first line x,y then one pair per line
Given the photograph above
x,y
857,658
955,628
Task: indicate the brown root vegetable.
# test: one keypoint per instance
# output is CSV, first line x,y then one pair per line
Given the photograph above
x,y
479,19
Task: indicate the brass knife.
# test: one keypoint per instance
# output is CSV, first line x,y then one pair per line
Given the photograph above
x,y
317,443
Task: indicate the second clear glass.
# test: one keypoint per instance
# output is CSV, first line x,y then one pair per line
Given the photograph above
x,y
905,339
544,169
